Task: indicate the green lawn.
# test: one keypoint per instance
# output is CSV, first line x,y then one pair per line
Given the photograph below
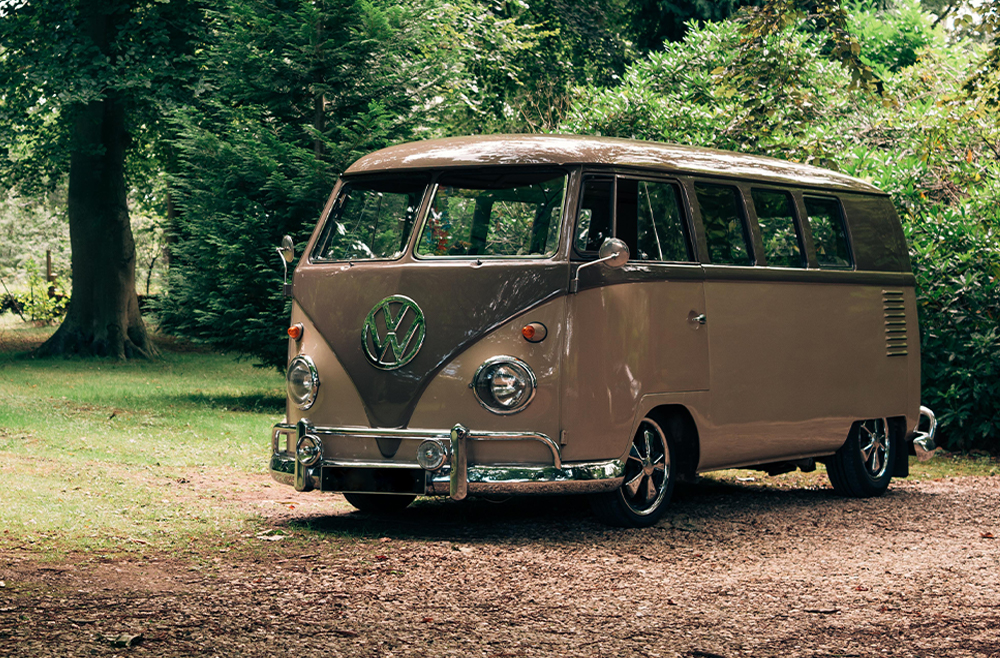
x,y
101,456
92,451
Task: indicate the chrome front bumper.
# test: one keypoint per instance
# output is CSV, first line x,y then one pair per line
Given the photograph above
x,y
457,477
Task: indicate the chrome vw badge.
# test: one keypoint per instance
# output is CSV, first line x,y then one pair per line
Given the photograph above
x,y
393,333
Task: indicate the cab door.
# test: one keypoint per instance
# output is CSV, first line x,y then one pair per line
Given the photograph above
x,y
637,330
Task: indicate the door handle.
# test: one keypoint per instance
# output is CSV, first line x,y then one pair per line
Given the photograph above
x,y
697,319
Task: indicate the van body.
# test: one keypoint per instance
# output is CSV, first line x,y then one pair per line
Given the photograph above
x,y
518,314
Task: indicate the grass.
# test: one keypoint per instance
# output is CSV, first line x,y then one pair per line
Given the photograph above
x,y
103,457
92,451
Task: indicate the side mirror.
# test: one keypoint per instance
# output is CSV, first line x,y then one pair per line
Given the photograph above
x,y
287,253
287,249
613,253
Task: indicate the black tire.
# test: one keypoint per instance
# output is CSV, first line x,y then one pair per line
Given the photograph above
x,y
650,473
379,503
863,466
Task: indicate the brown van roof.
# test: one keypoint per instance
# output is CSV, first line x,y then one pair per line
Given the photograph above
x,y
493,150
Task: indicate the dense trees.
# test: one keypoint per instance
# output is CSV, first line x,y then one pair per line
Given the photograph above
x,y
915,134
234,118
83,83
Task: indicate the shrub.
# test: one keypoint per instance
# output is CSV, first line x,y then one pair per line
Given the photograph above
x,y
922,141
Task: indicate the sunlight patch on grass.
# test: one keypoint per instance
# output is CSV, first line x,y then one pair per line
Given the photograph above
x,y
92,451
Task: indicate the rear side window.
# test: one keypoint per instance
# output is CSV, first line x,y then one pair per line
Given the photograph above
x,y
826,219
725,229
776,218
371,219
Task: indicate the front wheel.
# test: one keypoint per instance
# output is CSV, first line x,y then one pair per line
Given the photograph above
x,y
379,503
863,466
650,471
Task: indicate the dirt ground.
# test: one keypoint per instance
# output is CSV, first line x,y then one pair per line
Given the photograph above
x,y
738,569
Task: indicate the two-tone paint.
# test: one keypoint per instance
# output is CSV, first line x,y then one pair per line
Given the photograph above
x,y
766,364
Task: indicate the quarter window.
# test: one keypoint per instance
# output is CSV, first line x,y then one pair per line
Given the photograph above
x,y
594,224
725,231
826,220
776,218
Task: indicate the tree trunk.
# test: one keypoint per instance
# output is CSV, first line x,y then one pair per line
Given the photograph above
x,y
102,318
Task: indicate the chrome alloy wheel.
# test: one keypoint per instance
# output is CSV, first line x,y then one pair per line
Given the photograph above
x,y
647,470
873,441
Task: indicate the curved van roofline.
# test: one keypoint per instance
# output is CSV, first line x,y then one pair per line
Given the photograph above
x,y
498,150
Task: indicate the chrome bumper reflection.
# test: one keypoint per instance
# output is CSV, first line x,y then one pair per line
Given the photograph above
x,y
457,477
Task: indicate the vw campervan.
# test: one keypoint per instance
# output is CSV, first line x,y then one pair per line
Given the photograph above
x,y
518,314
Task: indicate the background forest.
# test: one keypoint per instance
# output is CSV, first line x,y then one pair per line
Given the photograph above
x,y
235,118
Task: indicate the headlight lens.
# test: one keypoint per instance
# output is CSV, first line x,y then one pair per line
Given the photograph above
x,y
303,381
504,384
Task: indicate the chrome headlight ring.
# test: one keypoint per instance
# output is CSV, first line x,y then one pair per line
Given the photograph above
x,y
303,381
504,385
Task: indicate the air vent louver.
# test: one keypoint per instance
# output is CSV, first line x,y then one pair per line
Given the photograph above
x,y
895,322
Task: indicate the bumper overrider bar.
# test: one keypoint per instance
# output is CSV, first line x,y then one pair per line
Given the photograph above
x,y
450,474
924,446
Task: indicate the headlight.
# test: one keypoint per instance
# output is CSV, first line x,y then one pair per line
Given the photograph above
x,y
504,384
303,381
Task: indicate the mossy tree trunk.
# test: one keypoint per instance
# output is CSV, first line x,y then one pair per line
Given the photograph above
x,y
102,318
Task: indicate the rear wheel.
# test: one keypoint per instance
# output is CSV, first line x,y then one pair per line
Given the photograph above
x,y
863,465
379,503
650,471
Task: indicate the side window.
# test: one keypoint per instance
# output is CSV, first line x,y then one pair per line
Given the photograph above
x,y
725,230
650,221
593,225
647,216
826,220
776,218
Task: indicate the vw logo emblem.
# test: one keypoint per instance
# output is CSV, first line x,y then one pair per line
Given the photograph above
x,y
393,333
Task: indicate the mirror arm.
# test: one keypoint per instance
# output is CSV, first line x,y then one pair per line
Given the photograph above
x,y
286,288
574,285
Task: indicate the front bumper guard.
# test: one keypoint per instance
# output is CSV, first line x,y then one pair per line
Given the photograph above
x,y
924,446
457,477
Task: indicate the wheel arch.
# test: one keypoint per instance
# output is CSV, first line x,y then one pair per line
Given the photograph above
x,y
678,420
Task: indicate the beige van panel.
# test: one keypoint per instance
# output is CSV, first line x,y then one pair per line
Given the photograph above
x,y
626,341
813,356
337,401
448,399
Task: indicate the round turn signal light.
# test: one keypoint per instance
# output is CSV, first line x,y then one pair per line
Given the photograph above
x,y
295,331
534,332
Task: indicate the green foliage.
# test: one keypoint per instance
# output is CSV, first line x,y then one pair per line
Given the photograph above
x,y
30,226
46,301
891,40
512,66
934,149
299,91
958,274
656,21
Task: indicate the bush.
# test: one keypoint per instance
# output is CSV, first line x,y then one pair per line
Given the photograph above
x,y
957,263
922,141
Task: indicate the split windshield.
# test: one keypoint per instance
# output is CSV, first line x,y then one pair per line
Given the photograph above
x,y
494,214
372,218
482,214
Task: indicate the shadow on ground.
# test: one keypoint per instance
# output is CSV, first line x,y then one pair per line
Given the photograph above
x,y
704,507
